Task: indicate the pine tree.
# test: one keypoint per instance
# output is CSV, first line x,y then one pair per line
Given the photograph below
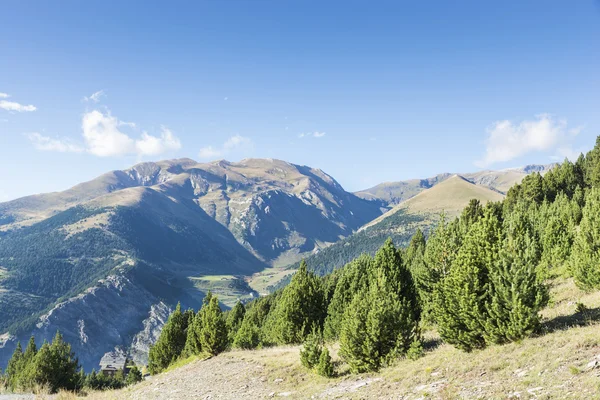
x,y
353,335
592,166
585,258
170,344
461,298
381,322
91,381
134,376
435,265
235,316
325,366
311,350
393,275
416,246
55,366
517,293
300,307
353,278
26,376
213,335
193,345
248,336
15,367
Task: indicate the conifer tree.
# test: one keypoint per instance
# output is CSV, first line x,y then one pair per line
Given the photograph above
x,y
300,307
353,335
248,336
325,366
517,293
311,349
170,344
213,335
235,316
14,367
134,376
440,252
353,278
460,300
193,345
585,258
592,166
26,375
416,246
54,366
381,322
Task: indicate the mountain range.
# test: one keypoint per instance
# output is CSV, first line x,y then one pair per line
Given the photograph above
x,y
105,261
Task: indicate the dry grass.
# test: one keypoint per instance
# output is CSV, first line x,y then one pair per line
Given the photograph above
x,y
553,365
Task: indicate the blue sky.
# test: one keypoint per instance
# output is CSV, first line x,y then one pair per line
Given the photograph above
x,y
367,91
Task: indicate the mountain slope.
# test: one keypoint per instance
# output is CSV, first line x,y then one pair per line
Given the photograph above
x,y
277,210
451,196
156,231
400,223
394,193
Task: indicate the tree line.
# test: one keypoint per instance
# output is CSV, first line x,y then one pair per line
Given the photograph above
x,y
55,367
479,279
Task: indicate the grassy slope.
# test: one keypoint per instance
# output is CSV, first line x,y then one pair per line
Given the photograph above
x,y
551,366
451,196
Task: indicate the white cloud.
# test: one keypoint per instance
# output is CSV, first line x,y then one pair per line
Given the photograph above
x,y
13,106
4,95
507,140
46,143
103,137
94,97
152,145
234,143
315,134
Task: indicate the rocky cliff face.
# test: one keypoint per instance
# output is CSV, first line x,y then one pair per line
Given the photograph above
x,y
114,314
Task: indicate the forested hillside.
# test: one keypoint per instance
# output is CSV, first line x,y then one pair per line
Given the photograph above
x,y
401,222
479,280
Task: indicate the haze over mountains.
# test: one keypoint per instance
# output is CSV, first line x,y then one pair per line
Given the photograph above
x,y
106,260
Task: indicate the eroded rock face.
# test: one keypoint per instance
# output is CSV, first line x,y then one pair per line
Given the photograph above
x,y
140,345
104,317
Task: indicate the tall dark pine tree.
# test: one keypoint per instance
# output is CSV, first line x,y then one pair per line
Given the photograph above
x,y
170,344
460,300
517,293
300,308
15,367
235,316
442,246
382,320
585,257
213,335
354,277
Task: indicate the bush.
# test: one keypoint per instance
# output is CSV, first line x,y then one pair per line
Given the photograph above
x,y
311,350
325,366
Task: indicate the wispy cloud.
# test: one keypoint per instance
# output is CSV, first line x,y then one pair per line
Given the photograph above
x,y
46,143
315,134
94,97
13,106
234,143
507,140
